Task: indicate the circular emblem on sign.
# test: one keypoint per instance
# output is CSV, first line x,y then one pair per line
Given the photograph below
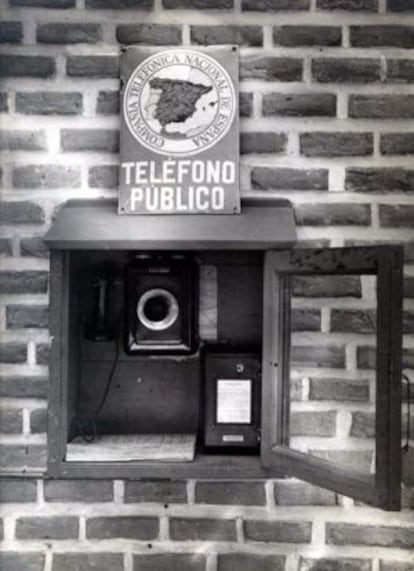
x,y
179,102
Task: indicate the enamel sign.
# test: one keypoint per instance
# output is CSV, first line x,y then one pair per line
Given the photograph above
x,y
179,132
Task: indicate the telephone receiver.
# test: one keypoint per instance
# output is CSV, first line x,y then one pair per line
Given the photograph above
x,y
99,329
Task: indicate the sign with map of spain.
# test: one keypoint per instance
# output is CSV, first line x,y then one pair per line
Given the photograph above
x,y
179,131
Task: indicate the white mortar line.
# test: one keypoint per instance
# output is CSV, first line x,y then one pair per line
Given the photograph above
x,y
128,561
292,562
325,319
164,528
318,532
382,9
237,6
270,497
191,491
119,491
186,35
211,562
375,220
29,31
239,530
48,561
26,422
267,37
31,353
346,37
82,528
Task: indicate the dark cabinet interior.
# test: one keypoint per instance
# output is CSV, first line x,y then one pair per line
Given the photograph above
x,y
124,377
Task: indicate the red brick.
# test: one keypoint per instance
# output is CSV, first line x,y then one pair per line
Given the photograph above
x,y
42,353
34,247
21,212
22,456
288,493
400,70
275,5
262,142
4,103
22,140
17,490
358,460
46,176
326,144
11,32
339,390
170,562
353,321
384,536
231,493
26,66
119,4
268,178
14,386
397,144
396,216
103,176
351,5
55,527
303,423
240,35
305,320
271,68
11,420
107,103
149,34
338,214
126,527
92,66
299,104
335,564
381,106
202,529
345,70
88,562
400,6
84,491
318,356
327,286
165,492
250,562
99,140
27,561
292,36
198,4
245,104
38,421
386,565
13,352
49,103
68,33
277,531
391,179
378,36
55,4
20,316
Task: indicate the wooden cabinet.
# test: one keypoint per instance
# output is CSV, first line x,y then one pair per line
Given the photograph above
x,y
253,298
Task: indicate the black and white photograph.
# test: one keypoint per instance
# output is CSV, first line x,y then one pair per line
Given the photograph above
x,y
207,285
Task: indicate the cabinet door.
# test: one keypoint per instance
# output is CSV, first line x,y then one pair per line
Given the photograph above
x,y
332,337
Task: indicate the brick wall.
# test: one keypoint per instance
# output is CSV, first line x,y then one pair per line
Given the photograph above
x,y
326,102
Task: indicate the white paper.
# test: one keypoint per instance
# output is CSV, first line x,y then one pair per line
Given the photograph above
x,y
129,447
234,401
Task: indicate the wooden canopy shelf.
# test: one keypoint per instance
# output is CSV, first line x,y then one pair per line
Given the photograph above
x,y
95,225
